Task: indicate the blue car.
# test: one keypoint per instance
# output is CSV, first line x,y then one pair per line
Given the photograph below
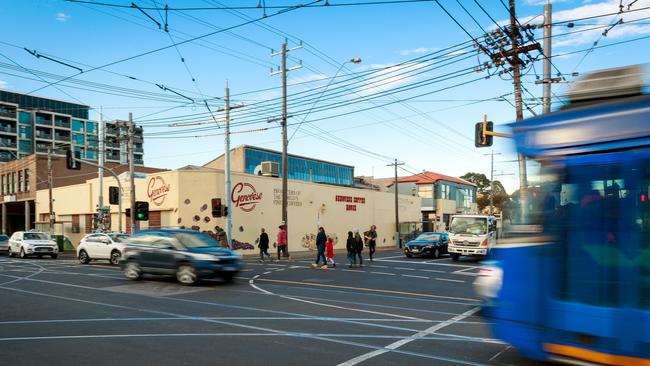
x,y
186,254
428,244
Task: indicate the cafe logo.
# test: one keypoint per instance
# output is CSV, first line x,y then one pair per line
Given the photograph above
x,y
157,190
245,196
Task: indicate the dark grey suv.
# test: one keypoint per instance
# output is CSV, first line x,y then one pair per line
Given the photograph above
x,y
187,254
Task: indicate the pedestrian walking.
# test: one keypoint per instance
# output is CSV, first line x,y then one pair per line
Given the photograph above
x,y
358,246
321,239
282,243
349,245
223,238
371,240
263,244
329,251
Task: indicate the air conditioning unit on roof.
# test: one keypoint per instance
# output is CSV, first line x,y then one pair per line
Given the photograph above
x,y
270,169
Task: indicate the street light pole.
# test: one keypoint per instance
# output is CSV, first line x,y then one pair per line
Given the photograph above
x,y
226,100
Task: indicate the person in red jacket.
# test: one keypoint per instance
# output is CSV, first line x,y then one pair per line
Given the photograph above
x,y
281,243
329,252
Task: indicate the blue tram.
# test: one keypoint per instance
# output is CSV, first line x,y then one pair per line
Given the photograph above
x,y
569,281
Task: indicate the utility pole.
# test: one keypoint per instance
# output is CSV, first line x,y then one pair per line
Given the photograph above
x,y
398,242
100,171
129,137
492,180
516,74
49,189
546,100
283,71
226,100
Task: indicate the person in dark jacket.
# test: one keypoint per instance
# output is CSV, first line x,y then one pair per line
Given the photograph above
x,y
321,239
263,244
349,245
358,246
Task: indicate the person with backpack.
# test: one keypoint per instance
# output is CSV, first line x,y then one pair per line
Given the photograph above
x,y
329,252
371,240
321,239
349,245
358,246
263,244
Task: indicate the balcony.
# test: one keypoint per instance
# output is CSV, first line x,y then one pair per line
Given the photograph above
x,y
8,113
138,161
6,156
44,119
62,122
5,128
138,149
8,144
62,136
44,135
113,156
42,148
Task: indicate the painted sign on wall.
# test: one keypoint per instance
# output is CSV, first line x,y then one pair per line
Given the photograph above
x,y
245,196
157,190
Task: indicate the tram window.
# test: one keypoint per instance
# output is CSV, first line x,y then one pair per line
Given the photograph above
x,y
590,200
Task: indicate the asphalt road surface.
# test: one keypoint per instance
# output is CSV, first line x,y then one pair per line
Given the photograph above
x,y
394,311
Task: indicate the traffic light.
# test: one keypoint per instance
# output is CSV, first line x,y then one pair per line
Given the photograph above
x,y
217,208
141,211
70,161
225,211
114,195
481,140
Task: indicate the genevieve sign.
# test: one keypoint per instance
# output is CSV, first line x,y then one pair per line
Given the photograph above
x,y
245,196
157,190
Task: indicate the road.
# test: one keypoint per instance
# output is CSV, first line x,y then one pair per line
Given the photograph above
x,y
394,311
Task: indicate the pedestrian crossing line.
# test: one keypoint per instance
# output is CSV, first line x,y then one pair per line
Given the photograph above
x,y
353,270
413,276
448,279
432,296
384,273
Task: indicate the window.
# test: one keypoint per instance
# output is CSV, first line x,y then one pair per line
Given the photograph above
x,y
24,117
20,181
13,183
444,191
425,191
4,183
78,138
27,180
77,125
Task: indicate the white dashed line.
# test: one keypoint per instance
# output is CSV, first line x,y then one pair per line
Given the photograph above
x,y
353,270
383,273
415,276
447,279
405,269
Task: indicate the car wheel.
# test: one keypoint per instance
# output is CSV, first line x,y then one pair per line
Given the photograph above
x,y
228,276
83,257
9,252
132,271
22,253
186,274
436,253
54,256
455,257
115,257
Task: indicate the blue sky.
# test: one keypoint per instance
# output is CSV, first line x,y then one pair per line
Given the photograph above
x,y
433,132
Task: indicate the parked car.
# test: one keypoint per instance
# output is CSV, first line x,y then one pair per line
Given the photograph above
x,y
102,246
26,243
427,244
4,243
187,254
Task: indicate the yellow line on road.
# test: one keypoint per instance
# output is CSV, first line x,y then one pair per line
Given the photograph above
x,y
371,290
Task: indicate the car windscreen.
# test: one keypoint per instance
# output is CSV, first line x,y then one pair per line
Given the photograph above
x,y
468,225
120,238
428,236
35,236
196,240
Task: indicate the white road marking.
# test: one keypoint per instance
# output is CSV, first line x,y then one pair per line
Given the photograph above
x,y
353,270
449,280
413,276
400,343
384,273
405,269
427,263
431,270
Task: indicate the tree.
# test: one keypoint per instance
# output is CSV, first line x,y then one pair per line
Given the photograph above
x,y
481,181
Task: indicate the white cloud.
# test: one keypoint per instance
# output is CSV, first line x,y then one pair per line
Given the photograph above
x,y
416,51
4,84
63,17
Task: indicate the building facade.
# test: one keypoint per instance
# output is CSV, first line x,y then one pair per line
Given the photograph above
x,y
34,125
441,196
21,179
248,159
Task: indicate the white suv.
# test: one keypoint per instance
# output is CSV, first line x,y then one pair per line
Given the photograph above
x,y
25,243
102,246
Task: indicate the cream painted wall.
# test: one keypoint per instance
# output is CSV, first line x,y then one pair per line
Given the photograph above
x,y
188,198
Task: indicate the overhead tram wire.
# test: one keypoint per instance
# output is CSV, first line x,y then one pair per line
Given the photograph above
x,y
112,63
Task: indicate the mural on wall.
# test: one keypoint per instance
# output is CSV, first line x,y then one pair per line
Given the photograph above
x,y
309,241
157,190
213,233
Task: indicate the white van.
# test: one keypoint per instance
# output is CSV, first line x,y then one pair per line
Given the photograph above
x,y
471,235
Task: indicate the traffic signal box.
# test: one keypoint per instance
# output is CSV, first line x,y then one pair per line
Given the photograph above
x,y
114,195
141,211
218,209
481,139
70,161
